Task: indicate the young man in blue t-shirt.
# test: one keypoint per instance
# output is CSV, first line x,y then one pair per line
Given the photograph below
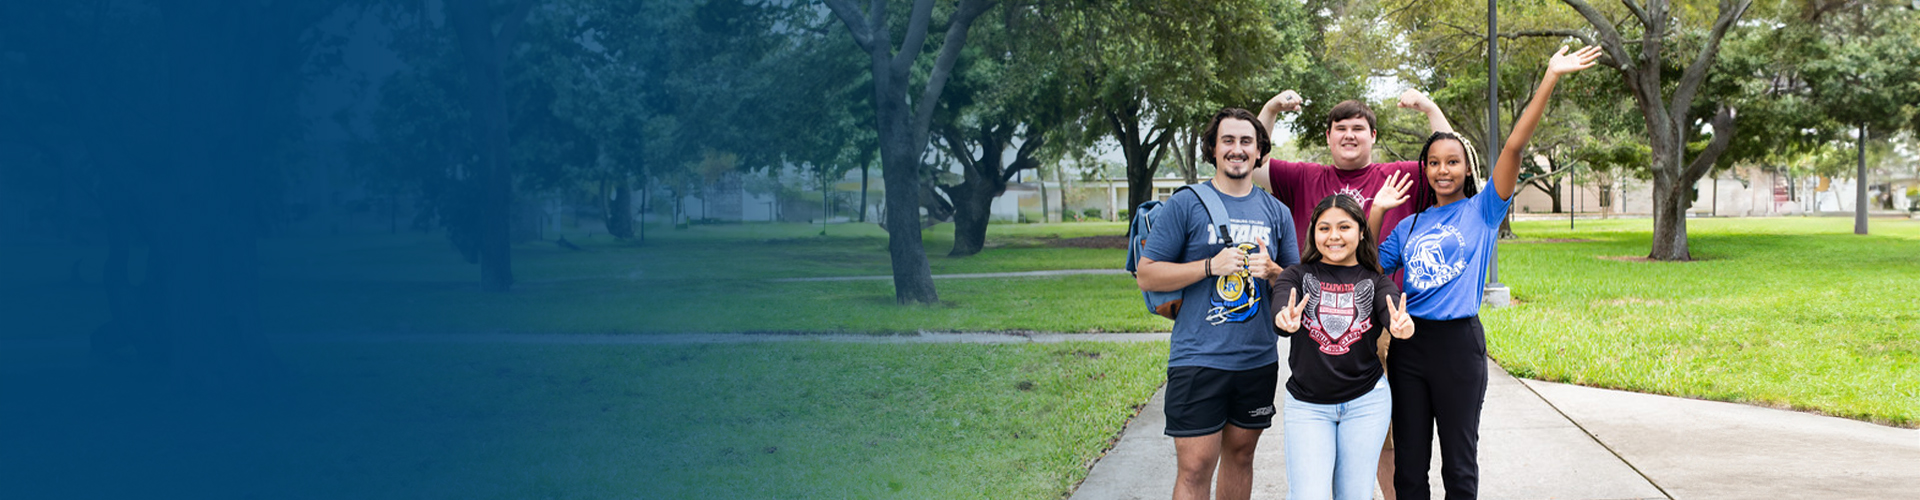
x,y
1223,365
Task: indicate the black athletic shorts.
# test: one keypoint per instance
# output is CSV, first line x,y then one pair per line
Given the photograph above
x,y
1201,401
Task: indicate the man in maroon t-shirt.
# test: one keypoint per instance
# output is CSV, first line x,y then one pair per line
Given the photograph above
x,y
1350,138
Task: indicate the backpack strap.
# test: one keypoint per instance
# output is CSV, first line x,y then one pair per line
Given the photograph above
x,y
1217,210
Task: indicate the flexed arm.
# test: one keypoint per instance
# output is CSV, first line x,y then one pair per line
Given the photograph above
x,y
1285,101
1418,101
1506,171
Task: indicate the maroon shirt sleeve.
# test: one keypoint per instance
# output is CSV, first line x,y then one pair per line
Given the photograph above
x,y
1299,185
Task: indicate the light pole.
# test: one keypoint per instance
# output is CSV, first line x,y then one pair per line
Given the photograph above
x,y
1860,187
1496,294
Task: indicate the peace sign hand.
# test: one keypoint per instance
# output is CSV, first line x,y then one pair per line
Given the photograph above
x,y
1399,323
1393,192
1288,318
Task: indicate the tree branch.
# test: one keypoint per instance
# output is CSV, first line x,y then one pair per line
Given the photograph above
x,y
849,15
511,25
1610,39
1723,130
916,36
949,52
1696,73
1023,158
1638,13
954,144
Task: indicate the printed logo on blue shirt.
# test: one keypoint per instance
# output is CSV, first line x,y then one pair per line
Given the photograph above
x,y
1432,262
1235,299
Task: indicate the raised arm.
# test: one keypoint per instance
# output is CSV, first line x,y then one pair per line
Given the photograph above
x,y
1418,101
1392,194
1285,102
1506,171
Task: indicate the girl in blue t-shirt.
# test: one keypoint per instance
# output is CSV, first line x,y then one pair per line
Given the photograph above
x,y
1440,376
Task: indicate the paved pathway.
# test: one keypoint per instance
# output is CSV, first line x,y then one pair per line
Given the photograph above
x,y
1022,274
736,338
1541,440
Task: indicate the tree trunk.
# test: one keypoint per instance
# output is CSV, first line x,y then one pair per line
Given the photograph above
x,y
863,187
912,275
972,207
985,177
620,209
1555,195
902,127
1671,199
1043,199
485,53
1060,181
646,207
1189,157
226,93
984,180
900,166
1142,154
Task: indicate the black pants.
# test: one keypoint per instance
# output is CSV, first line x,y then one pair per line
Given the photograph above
x,y
1439,380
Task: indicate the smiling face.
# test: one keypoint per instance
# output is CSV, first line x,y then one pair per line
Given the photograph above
x,y
1235,148
1338,237
1446,169
1351,141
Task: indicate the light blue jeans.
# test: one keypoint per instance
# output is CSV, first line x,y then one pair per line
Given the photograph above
x,y
1334,450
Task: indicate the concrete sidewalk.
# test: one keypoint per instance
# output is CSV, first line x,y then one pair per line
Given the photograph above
x,y
1697,449
1542,440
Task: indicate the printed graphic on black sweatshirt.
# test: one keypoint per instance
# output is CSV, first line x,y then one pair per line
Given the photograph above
x,y
1337,315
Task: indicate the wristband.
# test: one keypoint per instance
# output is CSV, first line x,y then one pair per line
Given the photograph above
x,y
1209,268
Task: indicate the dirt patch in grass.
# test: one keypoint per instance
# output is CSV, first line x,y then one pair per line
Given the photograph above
x,y
1553,240
1630,301
1643,258
1115,242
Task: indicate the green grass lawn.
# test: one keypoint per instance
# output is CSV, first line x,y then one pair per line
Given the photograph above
x,y
1795,312
774,420
718,278
1791,312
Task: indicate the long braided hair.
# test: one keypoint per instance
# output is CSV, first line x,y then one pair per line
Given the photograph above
x,y
1473,159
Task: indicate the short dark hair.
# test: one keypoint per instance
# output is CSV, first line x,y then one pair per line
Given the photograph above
x,y
1350,109
1368,254
1212,133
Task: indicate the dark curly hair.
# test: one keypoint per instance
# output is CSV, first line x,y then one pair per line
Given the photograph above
x,y
1212,134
